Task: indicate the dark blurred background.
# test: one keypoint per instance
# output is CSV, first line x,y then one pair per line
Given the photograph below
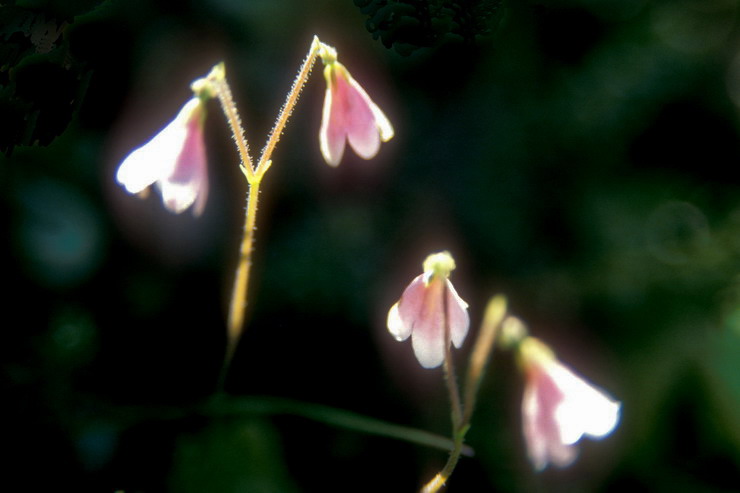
x,y
579,156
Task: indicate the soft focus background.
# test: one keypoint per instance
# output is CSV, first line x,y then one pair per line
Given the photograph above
x,y
579,156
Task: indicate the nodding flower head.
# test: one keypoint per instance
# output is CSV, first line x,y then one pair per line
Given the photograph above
x,y
174,160
349,114
559,407
431,312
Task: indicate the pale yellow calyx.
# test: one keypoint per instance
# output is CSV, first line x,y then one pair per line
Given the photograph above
x,y
327,53
204,87
532,351
438,265
513,333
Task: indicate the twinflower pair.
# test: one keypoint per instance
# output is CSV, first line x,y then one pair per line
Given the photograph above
x,y
558,406
175,159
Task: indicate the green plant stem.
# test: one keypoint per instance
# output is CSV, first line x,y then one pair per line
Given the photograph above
x,y
217,79
449,367
482,350
287,109
439,480
244,267
459,427
461,415
254,175
224,405
452,388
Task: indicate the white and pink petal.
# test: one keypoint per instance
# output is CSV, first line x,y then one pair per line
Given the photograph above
x,y
349,115
559,407
421,314
174,160
457,316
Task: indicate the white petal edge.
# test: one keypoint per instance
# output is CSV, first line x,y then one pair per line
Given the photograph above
x,y
324,131
177,197
542,448
381,121
585,409
396,327
459,319
428,350
155,159
150,162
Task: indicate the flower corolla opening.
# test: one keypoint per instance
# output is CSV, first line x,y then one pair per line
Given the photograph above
x,y
430,312
174,160
348,114
559,407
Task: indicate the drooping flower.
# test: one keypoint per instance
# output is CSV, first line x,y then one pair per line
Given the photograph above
x,y
174,160
348,114
431,312
559,407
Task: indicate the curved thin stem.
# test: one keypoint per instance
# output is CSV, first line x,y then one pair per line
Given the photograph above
x,y
238,303
481,355
461,415
254,175
449,367
287,109
341,418
439,480
459,427
217,78
452,389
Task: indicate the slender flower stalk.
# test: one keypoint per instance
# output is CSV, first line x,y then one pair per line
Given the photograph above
x,y
290,102
434,315
481,355
182,177
440,479
217,81
459,428
254,176
482,350
175,158
238,303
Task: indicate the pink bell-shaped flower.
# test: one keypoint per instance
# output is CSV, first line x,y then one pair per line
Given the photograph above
x,y
349,115
431,312
174,159
559,407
